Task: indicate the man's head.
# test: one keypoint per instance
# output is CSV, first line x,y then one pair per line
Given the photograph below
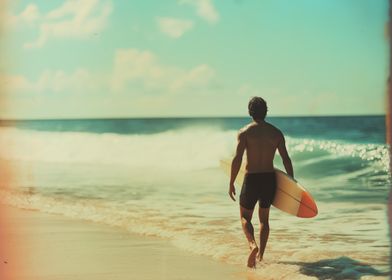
x,y
257,108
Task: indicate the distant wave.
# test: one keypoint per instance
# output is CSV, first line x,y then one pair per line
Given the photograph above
x,y
189,148
376,153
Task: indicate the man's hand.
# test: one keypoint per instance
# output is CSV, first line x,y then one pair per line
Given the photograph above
x,y
232,191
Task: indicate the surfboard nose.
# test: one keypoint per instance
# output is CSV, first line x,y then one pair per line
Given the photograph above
x,y
308,207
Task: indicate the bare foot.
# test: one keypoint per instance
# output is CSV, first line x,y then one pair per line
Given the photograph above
x,y
259,257
252,256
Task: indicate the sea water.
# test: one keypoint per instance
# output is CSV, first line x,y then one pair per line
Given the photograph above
x,y
161,177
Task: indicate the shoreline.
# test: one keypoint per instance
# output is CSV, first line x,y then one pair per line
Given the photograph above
x,y
53,247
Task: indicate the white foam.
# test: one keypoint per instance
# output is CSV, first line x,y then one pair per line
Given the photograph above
x,y
375,153
184,149
291,240
191,148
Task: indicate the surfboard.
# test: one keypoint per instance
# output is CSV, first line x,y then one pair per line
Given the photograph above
x,y
291,197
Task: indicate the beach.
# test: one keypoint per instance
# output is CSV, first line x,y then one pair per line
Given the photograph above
x,y
115,117
55,248
59,248
144,199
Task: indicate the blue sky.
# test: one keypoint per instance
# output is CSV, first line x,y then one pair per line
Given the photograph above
x,y
106,58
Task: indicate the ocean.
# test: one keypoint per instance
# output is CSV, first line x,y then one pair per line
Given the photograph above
x,y
161,177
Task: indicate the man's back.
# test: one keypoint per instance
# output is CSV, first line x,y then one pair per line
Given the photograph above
x,y
262,140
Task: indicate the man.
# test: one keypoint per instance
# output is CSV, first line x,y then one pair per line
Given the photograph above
x,y
260,140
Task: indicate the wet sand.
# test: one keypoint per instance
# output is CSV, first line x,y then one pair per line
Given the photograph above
x,y
53,247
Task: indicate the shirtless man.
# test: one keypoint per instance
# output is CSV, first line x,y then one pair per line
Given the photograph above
x,y
260,140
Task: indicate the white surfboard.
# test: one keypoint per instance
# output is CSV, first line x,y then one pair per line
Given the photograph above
x,y
290,196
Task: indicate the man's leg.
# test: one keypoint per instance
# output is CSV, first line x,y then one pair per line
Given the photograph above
x,y
246,217
264,230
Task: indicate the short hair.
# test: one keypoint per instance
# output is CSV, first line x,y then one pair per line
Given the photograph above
x,y
257,108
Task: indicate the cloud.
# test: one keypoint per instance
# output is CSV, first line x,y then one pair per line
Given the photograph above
x,y
74,19
30,14
141,70
137,79
134,71
198,77
173,27
14,83
81,80
204,8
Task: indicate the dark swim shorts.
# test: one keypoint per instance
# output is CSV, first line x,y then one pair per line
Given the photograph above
x,y
258,187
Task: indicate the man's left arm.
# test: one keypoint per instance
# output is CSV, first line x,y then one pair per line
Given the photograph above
x,y
236,162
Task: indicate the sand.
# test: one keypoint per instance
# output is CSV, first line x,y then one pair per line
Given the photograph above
x,y
53,247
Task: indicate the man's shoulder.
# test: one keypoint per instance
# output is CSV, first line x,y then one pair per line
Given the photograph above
x,y
245,128
273,127
251,126
242,132
275,130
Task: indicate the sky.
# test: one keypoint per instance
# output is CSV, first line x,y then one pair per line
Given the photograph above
x,y
188,58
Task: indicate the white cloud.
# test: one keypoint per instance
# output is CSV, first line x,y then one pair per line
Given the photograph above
x,y
204,8
30,14
14,83
142,69
83,93
76,82
79,81
173,27
133,64
135,71
75,19
198,77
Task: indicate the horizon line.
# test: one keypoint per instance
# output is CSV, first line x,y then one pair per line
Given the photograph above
x,y
185,117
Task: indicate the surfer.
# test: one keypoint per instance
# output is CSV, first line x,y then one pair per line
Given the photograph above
x,y
260,140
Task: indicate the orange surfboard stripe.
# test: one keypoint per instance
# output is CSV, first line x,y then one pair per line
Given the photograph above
x,y
307,208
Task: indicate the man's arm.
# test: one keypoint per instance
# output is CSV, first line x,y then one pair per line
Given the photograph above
x,y
236,163
285,157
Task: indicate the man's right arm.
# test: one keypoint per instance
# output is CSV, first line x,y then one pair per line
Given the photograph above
x,y
285,156
236,163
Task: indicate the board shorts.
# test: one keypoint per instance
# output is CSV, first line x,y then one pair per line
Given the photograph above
x,y
258,187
